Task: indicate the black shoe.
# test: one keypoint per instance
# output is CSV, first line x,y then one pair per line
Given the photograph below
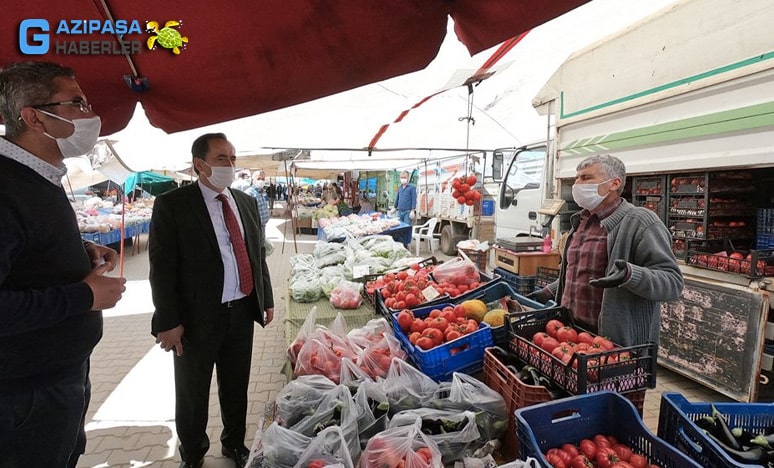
x,y
193,464
239,455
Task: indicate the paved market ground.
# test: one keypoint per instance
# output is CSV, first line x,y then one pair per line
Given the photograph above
x,y
131,417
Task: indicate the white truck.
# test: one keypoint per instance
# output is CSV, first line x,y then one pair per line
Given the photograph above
x,y
685,98
508,207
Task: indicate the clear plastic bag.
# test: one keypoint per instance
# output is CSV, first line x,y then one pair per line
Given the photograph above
x,y
300,397
404,446
407,387
373,409
303,334
458,271
455,433
337,408
352,376
328,448
305,286
347,295
466,393
329,253
321,354
376,358
282,447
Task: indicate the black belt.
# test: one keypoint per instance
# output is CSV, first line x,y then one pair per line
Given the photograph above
x,y
234,303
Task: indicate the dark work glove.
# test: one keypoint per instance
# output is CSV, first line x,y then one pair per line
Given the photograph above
x,y
541,295
617,276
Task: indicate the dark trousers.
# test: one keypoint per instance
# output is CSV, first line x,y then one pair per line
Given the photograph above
x,y
229,349
44,426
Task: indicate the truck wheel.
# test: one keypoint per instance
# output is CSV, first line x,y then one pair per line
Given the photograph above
x,y
449,240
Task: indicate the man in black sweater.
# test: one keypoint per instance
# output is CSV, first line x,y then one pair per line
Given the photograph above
x,y
52,284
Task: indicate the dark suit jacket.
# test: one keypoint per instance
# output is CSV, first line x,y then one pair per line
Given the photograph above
x,y
186,270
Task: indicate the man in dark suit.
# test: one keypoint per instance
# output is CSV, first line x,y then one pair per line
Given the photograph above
x,y
210,282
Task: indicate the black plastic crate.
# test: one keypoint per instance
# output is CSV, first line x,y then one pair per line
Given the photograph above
x,y
521,284
623,369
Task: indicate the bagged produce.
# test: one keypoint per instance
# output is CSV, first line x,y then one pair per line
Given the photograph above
x,y
322,355
466,393
404,446
300,397
329,253
305,286
282,447
407,387
346,295
455,433
457,271
373,409
302,262
330,277
303,334
375,359
352,376
328,448
337,408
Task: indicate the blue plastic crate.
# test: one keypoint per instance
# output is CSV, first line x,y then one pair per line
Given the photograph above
x,y
676,426
570,420
521,284
465,354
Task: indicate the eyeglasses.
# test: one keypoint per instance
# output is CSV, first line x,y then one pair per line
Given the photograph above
x,y
82,104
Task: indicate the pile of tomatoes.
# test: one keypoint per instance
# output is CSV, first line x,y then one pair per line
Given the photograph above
x,y
463,191
601,451
404,289
438,327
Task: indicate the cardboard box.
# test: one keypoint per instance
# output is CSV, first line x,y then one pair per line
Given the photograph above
x,y
524,263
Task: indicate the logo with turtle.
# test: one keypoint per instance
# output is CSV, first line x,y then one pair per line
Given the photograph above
x,y
167,37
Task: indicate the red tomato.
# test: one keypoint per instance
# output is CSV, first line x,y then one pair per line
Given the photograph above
x,y
638,461
412,300
452,334
567,334
435,313
418,325
434,334
440,323
424,342
471,180
621,464
603,342
602,441
413,337
316,463
554,459
539,337
581,461
588,448
624,452
607,457
471,326
585,337
553,326
425,453
405,319
571,449
449,315
549,344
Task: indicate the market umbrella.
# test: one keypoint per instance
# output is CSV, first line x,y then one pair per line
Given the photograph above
x,y
244,58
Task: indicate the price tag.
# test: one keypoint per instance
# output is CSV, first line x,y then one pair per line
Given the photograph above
x,y
410,272
430,293
359,271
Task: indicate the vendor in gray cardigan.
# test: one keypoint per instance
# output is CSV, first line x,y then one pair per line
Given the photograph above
x,y
617,265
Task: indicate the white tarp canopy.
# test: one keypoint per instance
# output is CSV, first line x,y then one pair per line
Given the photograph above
x,y
501,105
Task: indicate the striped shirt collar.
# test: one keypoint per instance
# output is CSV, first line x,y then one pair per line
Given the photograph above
x,y
49,172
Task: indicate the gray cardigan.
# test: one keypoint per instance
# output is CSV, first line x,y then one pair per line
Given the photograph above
x,y
631,313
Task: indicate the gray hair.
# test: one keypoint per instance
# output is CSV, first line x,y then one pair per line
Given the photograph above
x,y
611,166
27,84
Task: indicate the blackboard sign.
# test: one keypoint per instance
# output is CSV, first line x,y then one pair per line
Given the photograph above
x,y
714,334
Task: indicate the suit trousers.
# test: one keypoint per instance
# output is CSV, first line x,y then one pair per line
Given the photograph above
x,y
44,426
228,348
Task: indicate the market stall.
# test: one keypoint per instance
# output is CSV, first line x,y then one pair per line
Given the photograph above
x,y
339,228
103,222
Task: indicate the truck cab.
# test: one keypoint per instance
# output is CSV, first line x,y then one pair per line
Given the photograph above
x,y
521,190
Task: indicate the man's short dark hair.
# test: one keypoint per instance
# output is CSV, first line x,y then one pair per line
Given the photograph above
x,y
25,84
202,144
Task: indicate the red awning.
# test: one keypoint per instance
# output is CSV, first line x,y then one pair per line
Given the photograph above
x,y
245,58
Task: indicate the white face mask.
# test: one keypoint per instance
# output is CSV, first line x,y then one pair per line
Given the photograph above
x,y
587,195
82,140
222,176
259,184
403,181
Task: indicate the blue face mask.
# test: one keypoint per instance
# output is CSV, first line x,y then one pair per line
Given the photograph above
x,y
587,195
